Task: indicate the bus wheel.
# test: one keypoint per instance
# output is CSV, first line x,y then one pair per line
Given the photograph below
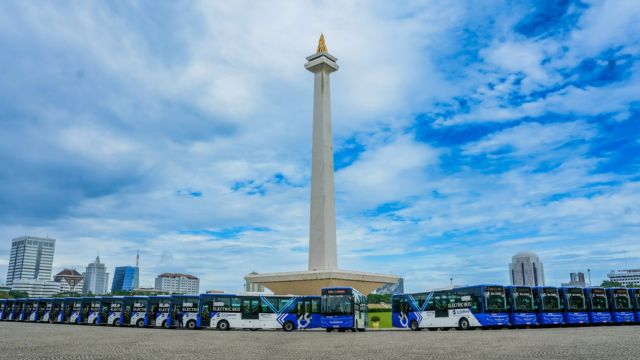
x,y
191,324
223,325
140,323
95,321
115,322
463,324
414,325
288,326
329,329
165,325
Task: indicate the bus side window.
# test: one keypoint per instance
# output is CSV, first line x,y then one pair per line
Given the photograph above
x,y
315,306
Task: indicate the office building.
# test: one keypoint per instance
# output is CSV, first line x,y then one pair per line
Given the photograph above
x,y
625,277
125,278
30,258
577,280
36,288
96,278
526,269
178,283
70,281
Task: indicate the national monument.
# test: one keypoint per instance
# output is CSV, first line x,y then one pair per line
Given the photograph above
x,y
323,258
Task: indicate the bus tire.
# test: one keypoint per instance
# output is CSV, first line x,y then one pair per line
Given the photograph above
x,y
288,326
191,324
329,329
223,325
115,323
463,324
414,325
95,321
165,325
140,323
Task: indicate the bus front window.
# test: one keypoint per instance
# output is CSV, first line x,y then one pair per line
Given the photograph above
x,y
337,305
551,303
494,302
599,302
524,302
622,303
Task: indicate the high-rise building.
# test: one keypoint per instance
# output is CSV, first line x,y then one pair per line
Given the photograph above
x,y
31,258
35,287
625,277
577,280
70,281
125,278
96,278
526,269
178,283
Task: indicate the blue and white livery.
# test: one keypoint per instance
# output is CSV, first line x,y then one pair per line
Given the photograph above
x,y
548,305
598,305
343,308
621,305
463,308
521,306
574,306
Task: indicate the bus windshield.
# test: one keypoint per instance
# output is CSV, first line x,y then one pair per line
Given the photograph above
x,y
494,299
621,299
550,300
599,301
337,304
523,302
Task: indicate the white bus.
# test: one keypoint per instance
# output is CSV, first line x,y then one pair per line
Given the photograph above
x,y
225,311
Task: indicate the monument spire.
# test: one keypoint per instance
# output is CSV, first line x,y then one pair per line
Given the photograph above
x,y
322,47
322,225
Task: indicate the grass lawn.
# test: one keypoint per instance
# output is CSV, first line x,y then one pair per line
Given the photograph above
x,y
385,319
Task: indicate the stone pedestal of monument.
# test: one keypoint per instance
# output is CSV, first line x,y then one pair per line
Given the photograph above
x,y
323,258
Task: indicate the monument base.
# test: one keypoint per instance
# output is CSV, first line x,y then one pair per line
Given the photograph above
x,y
311,282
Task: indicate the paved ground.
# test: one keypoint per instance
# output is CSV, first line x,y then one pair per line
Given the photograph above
x,y
44,341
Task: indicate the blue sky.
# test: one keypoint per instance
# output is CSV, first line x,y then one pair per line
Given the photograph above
x,y
464,132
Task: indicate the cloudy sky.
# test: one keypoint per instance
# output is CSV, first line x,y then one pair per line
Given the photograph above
x,y
464,132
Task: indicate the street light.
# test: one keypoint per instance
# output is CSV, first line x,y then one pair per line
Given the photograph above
x,y
589,272
451,279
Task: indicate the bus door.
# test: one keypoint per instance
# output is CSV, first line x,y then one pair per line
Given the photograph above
x,y
152,312
28,311
442,306
126,312
250,308
304,314
205,314
84,311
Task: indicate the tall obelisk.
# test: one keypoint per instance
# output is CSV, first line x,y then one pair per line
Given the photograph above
x,y
322,229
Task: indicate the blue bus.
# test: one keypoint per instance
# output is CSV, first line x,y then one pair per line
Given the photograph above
x,y
598,305
635,299
30,312
184,311
58,312
462,308
44,309
74,310
3,303
227,311
521,306
91,310
343,308
548,305
18,312
158,311
9,308
139,306
621,305
116,310
574,306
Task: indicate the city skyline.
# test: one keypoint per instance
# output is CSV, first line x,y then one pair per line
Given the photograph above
x,y
464,133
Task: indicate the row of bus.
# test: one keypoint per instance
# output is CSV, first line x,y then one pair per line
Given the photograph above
x,y
515,306
339,308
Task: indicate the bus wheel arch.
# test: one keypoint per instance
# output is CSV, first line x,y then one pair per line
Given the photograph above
x,y
414,325
223,325
288,326
140,323
191,324
463,324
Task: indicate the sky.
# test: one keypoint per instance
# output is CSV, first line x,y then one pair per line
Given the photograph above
x,y
464,132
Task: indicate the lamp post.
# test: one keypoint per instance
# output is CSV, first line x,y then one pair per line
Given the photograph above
x,y
589,272
451,279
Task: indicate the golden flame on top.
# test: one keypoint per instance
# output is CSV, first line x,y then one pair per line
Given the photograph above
x,y
322,47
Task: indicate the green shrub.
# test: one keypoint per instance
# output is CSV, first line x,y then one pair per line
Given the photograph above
x,y
375,319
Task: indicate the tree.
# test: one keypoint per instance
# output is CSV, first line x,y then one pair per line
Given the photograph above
x,y
18,294
610,284
379,298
